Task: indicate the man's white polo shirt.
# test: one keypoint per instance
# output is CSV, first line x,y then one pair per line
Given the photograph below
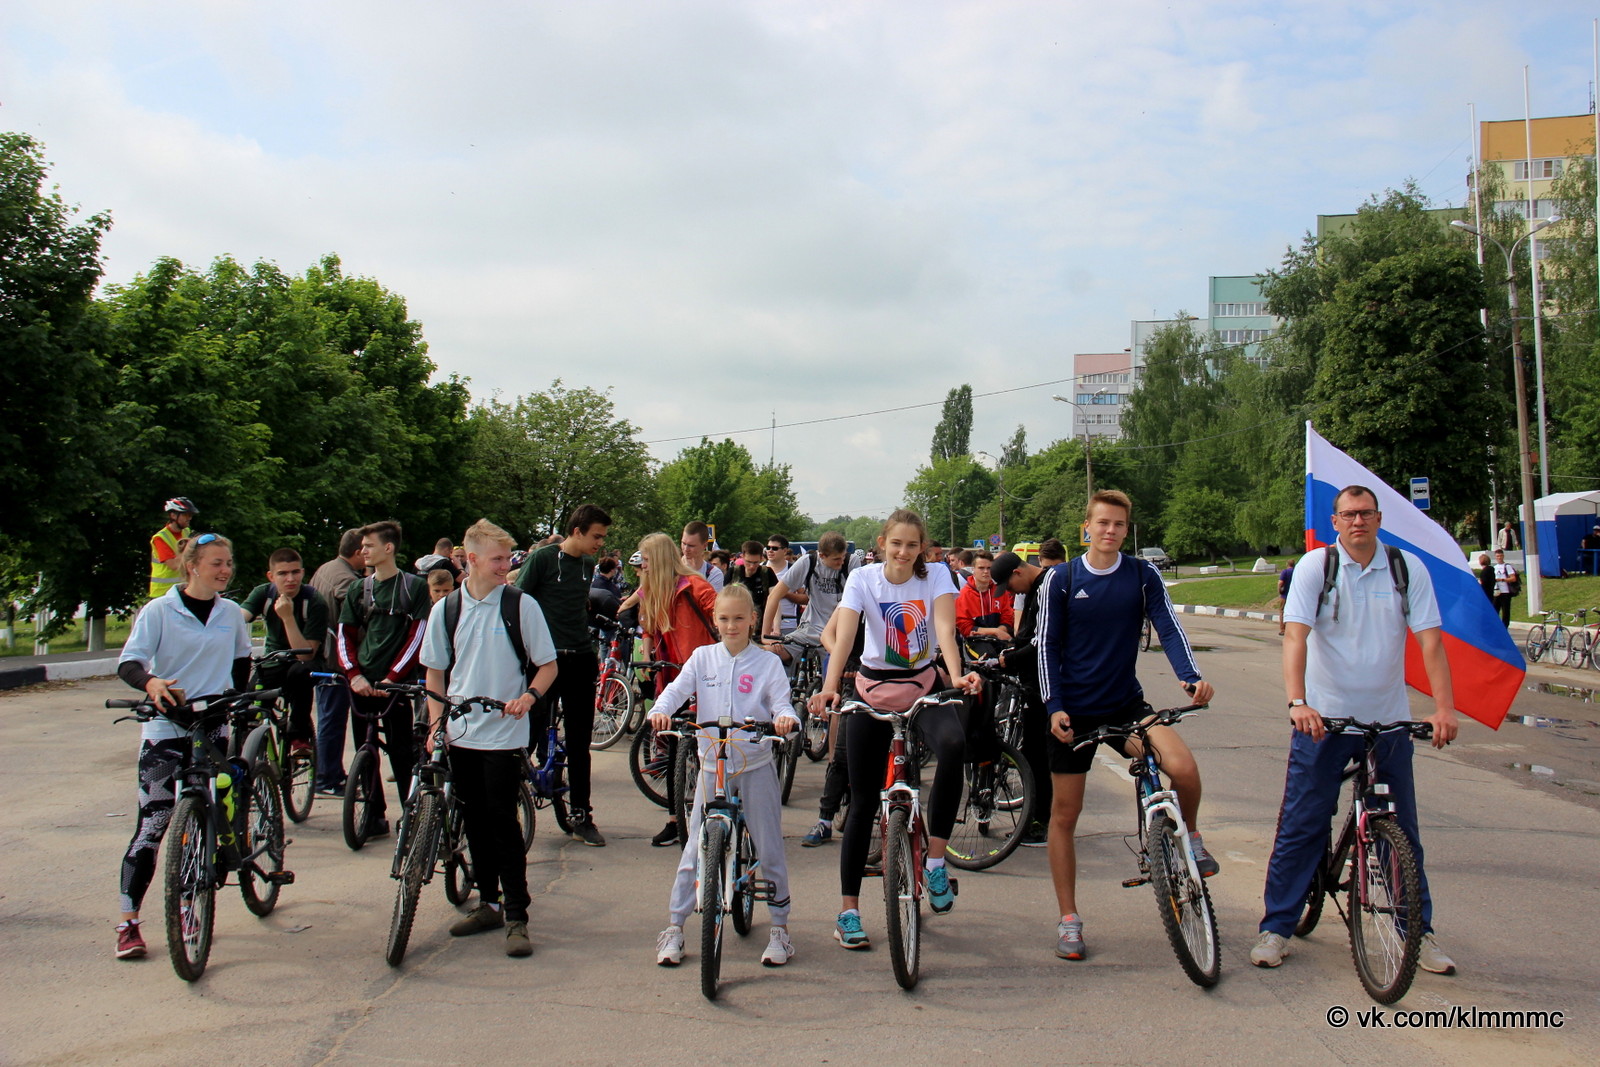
x,y
486,666
1356,666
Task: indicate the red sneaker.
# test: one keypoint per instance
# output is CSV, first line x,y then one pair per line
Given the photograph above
x,y
130,945
300,747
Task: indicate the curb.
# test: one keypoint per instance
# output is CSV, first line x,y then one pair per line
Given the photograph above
x,y
16,677
1225,613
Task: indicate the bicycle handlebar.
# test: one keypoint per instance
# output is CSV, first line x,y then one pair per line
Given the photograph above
x,y
1422,731
944,696
283,655
1164,717
764,731
207,707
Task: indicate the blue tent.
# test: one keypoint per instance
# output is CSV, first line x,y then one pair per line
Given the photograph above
x,y
1564,520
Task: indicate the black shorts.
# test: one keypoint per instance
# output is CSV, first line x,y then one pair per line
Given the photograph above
x,y
1064,759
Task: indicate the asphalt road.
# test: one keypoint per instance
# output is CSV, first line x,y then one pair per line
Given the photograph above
x,y
1511,854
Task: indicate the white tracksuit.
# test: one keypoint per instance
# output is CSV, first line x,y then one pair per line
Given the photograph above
x,y
751,685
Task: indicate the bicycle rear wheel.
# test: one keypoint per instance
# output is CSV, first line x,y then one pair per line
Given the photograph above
x,y
299,777
1317,895
527,814
360,791
1385,913
1534,645
1184,903
816,734
416,869
713,860
1560,645
744,896
902,902
263,826
649,766
996,805
191,894
686,776
458,875
613,704
788,761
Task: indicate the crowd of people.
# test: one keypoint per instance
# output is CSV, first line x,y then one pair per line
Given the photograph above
x,y
898,619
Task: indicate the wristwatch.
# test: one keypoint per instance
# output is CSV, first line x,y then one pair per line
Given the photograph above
x,y
1297,703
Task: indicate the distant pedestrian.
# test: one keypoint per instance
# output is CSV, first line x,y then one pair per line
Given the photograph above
x,y
1506,541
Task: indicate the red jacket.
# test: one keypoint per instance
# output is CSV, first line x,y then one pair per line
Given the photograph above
x,y
689,629
972,605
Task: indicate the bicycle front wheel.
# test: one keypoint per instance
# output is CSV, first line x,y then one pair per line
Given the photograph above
x,y
1535,643
1579,655
191,893
1185,904
264,837
713,861
996,805
361,789
415,869
685,775
1385,913
1560,645
902,902
788,762
613,704
650,764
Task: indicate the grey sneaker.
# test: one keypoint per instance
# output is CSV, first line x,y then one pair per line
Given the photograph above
x,y
1202,859
669,946
1269,950
477,921
1432,960
1069,939
780,949
517,943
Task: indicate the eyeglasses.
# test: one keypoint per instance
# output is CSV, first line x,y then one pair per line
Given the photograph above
x,y
1365,515
206,539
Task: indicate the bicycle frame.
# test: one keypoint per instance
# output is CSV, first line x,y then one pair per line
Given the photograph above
x,y
1156,799
1369,802
728,808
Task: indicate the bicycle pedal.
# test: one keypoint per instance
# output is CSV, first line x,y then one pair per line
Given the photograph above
x,y
870,871
763,888
279,877
1134,883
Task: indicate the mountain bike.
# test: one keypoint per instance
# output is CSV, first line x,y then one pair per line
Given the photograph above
x,y
363,788
619,706
432,830
1166,861
227,818
650,760
808,677
1548,638
905,837
727,876
297,770
1370,870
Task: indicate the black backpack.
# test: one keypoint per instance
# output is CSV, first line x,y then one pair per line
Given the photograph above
x,y
510,614
1398,573
811,572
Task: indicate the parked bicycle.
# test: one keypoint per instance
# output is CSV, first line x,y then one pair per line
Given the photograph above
x,y
1166,861
1549,638
905,837
227,818
297,770
363,788
727,878
1581,645
619,703
1370,871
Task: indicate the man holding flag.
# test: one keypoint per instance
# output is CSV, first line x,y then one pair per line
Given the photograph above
x,y
1344,656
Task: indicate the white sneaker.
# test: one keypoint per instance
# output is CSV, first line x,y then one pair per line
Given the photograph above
x,y
669,947
1269,950
1431,959
780,949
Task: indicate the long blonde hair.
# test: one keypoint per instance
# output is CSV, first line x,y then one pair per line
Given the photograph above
x,y
658,582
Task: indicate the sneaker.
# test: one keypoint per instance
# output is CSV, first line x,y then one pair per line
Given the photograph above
x,y
1269,950
847,931
1204,860
1034,836
301,747
517,943
586,832
669,946
667,836
941,895
130,943
380,828
1069,939
327,790
479,919
1429,957
780,949
821,832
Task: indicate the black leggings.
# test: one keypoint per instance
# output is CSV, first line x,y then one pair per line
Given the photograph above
x,y
867,754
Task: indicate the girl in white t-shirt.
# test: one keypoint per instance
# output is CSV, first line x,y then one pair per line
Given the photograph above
x,y
908,611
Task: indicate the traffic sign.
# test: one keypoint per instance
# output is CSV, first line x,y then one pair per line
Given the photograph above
x,y
1420,495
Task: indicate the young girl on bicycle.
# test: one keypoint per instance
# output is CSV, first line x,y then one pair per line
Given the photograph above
x,y
192,640
743,681
909,613
675,607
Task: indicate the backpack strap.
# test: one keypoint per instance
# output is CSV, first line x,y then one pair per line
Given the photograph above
x,y
511,615
1399,574
452,618
1330,579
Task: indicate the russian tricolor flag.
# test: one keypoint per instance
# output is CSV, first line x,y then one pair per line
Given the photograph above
x,y
1486,669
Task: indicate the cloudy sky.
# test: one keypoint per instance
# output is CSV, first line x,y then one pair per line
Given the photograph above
x,y
734,212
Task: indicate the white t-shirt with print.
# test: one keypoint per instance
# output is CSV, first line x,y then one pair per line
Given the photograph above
x,y
898,618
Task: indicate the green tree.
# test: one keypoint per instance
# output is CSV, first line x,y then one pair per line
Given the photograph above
x,y
1015,451
949,493
718,483
953,435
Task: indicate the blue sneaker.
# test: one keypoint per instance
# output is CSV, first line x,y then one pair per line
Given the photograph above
x,y
821,832
847,931
941,896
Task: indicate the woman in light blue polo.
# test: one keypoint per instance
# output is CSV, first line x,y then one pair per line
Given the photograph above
x,y
189,639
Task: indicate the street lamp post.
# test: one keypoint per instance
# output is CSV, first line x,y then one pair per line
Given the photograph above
x,y
1000,470
1530,547
950,500
1088,457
